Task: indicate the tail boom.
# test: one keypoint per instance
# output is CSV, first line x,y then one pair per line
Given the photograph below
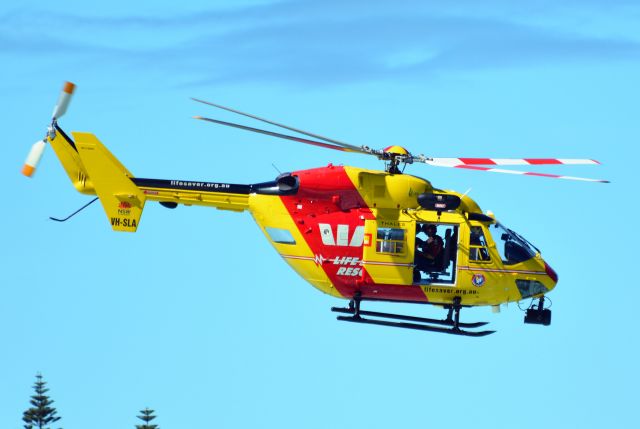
x,y
94,170
223,196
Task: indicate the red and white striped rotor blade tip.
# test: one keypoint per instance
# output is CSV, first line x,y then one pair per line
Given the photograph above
x,y
453,162
527,173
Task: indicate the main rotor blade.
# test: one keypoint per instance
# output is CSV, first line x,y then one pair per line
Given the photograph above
x,y
306,133
452,162
285,136
524,173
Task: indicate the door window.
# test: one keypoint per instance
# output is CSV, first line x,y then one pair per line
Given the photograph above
x,y
390,240
478,249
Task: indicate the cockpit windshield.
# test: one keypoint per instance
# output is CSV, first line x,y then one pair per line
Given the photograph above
x,y
513,247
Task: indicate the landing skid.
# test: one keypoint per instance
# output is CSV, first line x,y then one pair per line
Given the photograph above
x,y
418,323
422,320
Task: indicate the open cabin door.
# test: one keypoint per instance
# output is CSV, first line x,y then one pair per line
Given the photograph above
x,y
436,252
388,251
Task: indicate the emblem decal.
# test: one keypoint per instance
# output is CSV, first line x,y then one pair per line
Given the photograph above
x,y
478,280
124,209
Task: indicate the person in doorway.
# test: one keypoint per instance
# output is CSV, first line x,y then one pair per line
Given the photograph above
x,y
429,252
432,248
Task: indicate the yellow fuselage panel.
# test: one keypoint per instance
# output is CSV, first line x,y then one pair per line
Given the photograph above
x,y
383,190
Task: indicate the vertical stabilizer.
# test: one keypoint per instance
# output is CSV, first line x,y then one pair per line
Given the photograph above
x,y
121,199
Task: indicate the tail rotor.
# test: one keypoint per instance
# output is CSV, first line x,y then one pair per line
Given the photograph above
x,y
37,150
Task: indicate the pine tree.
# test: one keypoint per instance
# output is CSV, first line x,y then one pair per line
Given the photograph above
x,y
146,417
41,413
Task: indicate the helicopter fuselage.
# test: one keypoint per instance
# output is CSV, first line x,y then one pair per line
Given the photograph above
x,y
349,230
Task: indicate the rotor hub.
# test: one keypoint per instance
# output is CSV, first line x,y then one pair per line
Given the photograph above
x,y
395,150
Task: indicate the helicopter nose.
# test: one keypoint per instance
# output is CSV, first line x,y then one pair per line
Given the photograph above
x,y
551,273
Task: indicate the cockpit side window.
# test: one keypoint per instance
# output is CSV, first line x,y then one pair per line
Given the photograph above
x,y
478,249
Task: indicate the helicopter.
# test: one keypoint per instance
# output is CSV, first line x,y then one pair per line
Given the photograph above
x,y
353,233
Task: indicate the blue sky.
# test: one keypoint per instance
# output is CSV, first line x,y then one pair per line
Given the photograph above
x,y
196,315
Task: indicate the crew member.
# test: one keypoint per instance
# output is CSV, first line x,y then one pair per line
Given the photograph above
x,y
429,252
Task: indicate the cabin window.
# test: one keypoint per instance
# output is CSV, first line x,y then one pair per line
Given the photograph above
x,y
478,249
529,288
390,240
513,248
279,235
435,255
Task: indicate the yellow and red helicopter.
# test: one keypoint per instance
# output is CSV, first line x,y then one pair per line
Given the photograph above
x,y
356,234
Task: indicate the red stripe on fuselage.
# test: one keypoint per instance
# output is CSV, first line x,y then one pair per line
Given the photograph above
x,y
327,195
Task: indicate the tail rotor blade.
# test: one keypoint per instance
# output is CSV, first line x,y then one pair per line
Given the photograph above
x,y
35,154
63,100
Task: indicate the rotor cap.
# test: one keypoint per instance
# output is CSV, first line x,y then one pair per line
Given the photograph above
x,y
395,150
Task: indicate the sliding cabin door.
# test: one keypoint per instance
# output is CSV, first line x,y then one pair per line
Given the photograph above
x,y
388,251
